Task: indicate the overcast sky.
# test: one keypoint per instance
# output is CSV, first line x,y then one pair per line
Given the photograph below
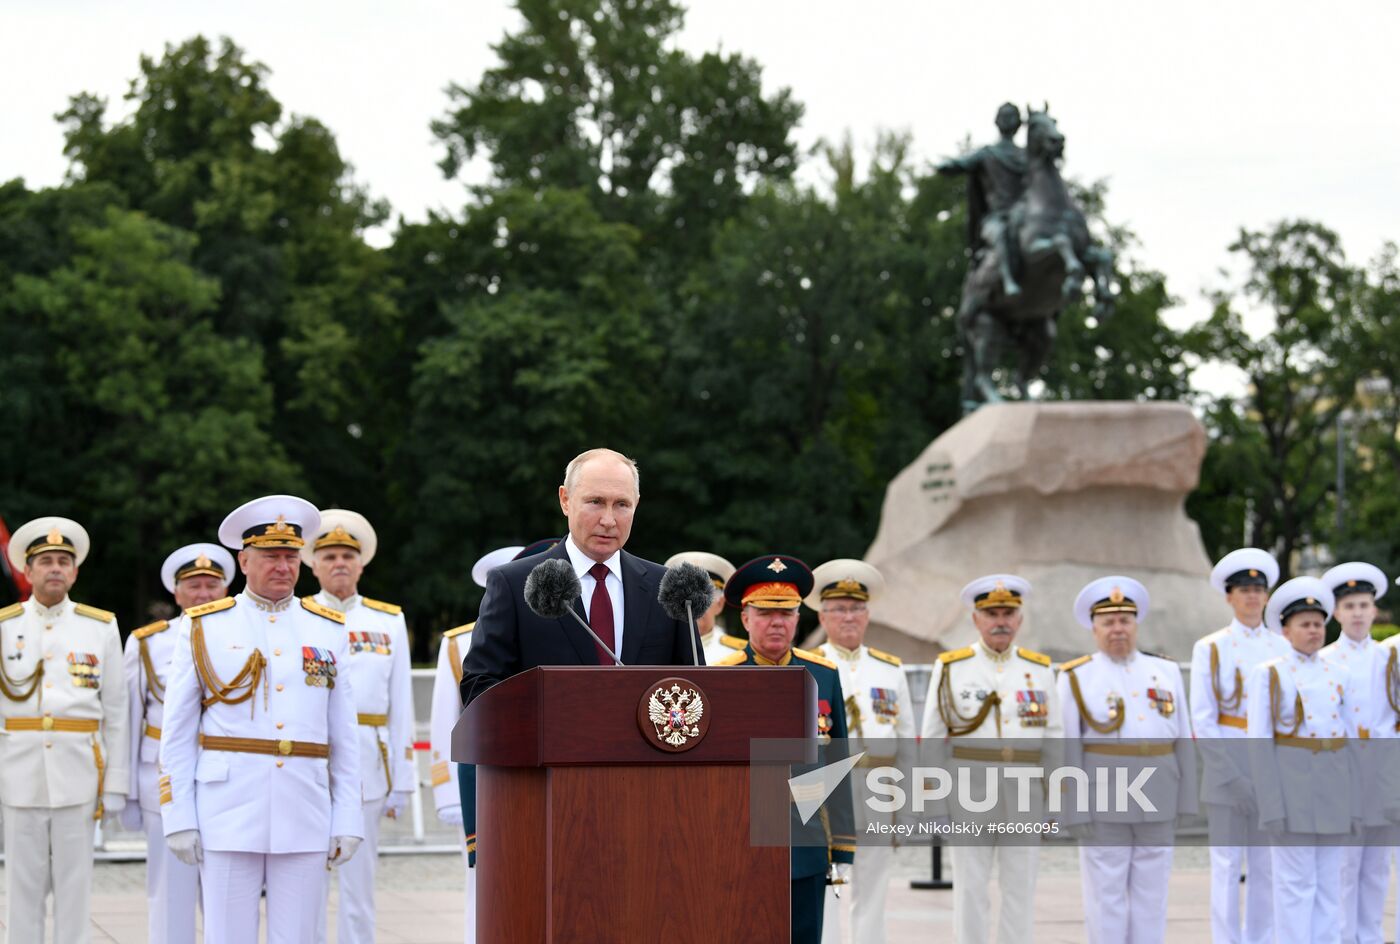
x,y
1203,116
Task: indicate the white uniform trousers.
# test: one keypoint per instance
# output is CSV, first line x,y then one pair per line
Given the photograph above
x,y
354,922
48,849
233,884
469,899
864,898
972,883
172,888
1307,893
1230,829
1125,884
1365,881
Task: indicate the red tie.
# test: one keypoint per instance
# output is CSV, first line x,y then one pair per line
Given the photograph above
x,y
600,614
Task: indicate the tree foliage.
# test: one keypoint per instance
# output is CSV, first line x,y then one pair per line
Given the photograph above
x,y
196,318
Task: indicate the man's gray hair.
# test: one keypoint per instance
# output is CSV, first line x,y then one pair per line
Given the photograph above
x,y
578,461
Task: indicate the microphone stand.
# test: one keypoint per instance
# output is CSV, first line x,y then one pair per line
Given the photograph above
x,y
694,653
589,629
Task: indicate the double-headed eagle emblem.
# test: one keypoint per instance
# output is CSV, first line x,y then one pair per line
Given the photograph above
x,y
675,713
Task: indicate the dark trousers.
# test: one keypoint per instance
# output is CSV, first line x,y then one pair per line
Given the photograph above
x,y
808,904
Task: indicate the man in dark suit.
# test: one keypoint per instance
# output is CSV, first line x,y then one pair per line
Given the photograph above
x,y
599,497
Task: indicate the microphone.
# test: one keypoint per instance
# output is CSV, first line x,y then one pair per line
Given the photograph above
x,y
550,591
686,588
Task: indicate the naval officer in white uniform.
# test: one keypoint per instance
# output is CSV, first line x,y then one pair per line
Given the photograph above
x,y
1300,721
1220,665
64,747
446,709
1125,710
1356,586
994,704
194,574
379,672
260,749
879,721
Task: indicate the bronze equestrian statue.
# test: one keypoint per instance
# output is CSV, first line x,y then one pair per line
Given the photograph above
x,y
1031,253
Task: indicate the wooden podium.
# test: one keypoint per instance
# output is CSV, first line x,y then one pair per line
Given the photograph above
x,y
591,829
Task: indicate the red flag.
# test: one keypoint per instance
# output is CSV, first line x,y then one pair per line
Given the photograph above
x,y
22,588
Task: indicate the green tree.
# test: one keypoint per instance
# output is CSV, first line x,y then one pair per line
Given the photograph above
x,y
1274,450
549,355
1372,426
594,95
815,358
150,424
279,224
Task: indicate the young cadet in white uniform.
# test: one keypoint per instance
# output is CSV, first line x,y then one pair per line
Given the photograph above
x,y
446,709
716,641
1220,666
260,750
379,672
64,747
994,691
195,574
879,720
1356,586
1125,710
1298,729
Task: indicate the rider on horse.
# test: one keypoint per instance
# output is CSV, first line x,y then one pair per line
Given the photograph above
x,y
998,179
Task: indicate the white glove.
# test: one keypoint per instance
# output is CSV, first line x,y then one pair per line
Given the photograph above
x,y
342,848
130,817
397,801
113,803
452,815
840,873
186,846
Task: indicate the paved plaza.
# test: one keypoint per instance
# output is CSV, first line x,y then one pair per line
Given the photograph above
x,y
420,901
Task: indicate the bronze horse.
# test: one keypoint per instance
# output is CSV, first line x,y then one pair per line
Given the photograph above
x,y
1054,253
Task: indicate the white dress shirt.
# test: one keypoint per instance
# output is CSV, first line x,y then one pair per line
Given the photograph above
x,y
582,565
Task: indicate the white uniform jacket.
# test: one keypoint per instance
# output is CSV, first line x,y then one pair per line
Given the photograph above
x,y
288,654
447,708
149,651
1220,700
1022,726
1147,693
64,740
1304,777
718,644
879,707
1380,764
1365,662
379,672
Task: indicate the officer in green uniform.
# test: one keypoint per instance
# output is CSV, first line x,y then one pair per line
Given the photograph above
x,y
768,591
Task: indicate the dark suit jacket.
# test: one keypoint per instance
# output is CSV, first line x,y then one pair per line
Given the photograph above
x,y
509,638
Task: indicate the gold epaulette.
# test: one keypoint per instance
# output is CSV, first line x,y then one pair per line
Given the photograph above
x,y
310,604
1075,663
150,629
734,658
393,609
733,642
92,612
11,611
884,656
955,655
213,606
459,630
1030,655
811,656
